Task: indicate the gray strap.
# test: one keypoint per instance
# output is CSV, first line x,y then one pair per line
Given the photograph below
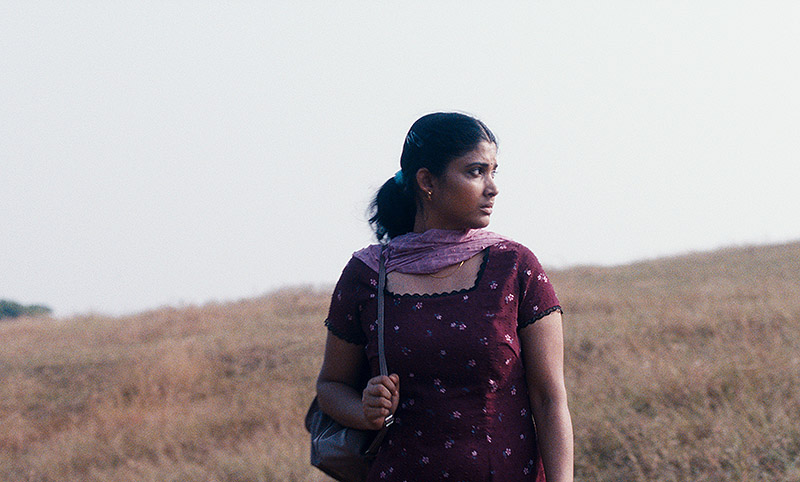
x,y
376,443
381,310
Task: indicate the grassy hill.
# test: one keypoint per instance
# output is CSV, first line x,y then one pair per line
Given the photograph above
x,y
678,369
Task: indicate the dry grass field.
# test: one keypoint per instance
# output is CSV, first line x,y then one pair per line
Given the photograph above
x,y
679,369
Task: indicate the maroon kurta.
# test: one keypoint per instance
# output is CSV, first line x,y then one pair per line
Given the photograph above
x,y
464,412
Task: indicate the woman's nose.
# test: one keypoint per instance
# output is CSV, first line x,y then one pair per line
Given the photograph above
x,y
491,187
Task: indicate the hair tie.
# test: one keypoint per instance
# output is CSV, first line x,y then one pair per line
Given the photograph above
x,y
398,178
413,138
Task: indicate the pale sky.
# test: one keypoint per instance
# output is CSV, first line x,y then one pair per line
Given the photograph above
x,y
170,153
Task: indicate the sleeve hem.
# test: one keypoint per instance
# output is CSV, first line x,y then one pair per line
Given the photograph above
x,y
339,334
539,316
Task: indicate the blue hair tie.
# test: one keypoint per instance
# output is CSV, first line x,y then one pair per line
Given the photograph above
x,y
413,138
398,178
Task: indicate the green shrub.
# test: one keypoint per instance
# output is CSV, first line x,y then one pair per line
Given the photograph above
x,y
12,309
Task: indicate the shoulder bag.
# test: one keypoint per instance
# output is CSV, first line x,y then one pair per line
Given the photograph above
x,y
346,453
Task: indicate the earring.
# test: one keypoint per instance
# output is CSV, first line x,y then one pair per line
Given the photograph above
x,y
429,195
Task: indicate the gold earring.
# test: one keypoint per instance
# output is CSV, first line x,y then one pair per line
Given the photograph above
x,y
429,195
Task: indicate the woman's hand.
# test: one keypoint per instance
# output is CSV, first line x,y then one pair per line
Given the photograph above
x,y
380,398
339,383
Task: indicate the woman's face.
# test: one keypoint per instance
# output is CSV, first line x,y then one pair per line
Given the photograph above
x,y
463,196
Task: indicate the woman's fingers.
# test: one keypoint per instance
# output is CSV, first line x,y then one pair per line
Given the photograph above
x,y
377,402
380,397
379,388
395,400
385,386
376,415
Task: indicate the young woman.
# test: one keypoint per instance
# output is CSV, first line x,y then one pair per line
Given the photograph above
x,y
473,326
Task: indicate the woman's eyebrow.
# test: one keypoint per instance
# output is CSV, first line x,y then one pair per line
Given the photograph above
x,y
482,164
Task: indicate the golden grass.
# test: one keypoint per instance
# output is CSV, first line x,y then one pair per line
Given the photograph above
x,y
212,393
686,368
677,369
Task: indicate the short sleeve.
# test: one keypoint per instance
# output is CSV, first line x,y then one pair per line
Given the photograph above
x,y
347,303
538,297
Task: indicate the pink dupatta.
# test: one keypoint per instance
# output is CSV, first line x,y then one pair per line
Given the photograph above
x,y
431,251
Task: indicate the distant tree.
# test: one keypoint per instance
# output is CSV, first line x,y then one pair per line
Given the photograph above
x,y
12,309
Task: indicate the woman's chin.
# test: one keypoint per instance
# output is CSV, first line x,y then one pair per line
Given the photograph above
x,y
480,223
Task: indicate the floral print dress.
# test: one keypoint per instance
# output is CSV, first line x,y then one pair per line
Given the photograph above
x,y
464,412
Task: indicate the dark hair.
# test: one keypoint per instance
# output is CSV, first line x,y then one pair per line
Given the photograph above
x,y
432,142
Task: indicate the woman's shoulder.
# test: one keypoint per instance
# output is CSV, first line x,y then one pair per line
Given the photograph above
x,y
517,258
366,257
515,249
357,281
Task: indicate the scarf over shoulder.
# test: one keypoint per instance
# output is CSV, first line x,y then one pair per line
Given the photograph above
x,y
431,251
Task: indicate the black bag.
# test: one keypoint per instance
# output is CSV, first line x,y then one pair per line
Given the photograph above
x,y
339,451
342,452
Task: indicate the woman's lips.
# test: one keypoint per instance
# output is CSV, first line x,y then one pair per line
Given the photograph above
x,y
487,209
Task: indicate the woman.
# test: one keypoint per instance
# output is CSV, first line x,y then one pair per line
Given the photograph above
x,y
473,327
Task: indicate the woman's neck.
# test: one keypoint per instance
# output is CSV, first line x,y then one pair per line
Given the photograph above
x,y
424,223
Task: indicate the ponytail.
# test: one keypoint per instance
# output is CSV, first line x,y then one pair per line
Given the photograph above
x,y
394,209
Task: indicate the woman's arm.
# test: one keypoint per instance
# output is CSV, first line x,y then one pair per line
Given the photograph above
x,y
543,355
338,393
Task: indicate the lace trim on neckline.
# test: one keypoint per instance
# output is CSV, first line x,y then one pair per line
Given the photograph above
x,y
478,279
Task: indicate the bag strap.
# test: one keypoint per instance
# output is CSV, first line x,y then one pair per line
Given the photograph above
x,y
381,330
381,312
376,443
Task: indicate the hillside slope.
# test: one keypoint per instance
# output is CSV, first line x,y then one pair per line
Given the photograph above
x,y
678,369
686,368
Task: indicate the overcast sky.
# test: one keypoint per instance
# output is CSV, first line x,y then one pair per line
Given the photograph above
x,y
172,153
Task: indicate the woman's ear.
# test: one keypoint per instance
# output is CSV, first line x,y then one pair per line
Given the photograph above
x,y
425,180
